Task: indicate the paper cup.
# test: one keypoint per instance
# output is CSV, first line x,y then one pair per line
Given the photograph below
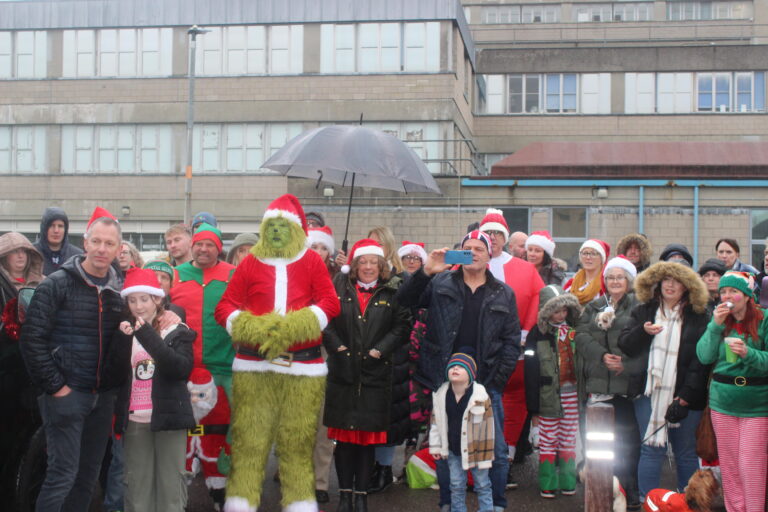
x,y
729,355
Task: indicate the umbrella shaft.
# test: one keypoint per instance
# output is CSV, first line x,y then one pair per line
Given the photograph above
x,y
345,243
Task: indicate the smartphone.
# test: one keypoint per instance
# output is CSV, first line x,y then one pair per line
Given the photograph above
x,y
458,257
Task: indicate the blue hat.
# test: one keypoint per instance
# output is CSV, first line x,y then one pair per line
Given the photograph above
x,y
201,217
466,361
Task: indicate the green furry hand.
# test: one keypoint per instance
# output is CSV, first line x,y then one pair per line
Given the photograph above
x,y
273,332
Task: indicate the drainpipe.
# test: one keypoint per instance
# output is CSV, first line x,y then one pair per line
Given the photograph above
x,y
641,211
695,227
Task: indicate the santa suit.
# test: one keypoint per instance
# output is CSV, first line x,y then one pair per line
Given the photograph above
x,y
208,439
662,500
526,282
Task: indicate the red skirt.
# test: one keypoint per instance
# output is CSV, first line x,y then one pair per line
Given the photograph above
x,y
362,437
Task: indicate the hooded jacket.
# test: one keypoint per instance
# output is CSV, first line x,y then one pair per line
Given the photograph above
x,y
642,243
66,251
692,375
683,250
33,274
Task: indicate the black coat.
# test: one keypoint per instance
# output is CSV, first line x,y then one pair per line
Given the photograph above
x,y
171,406
499,340
69,328
358,393
66,251
692,375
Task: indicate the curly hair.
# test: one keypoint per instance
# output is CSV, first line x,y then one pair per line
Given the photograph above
x,y
384,269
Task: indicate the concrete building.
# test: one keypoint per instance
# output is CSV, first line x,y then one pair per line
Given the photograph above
x,y
93,106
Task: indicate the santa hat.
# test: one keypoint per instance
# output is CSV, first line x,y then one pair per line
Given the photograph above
x,y
623,263
361,248
323,235
141,280
602,248
544,240
288,207
99,213
411,247
200,377
477,235
494,221
207,232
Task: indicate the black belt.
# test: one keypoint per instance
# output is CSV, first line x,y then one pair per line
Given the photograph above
x,y
201,430
306,354
740,380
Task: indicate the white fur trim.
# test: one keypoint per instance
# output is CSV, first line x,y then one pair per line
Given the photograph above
x,y
283,261
495,226
591,244
622,263
306,369
317,236
215,482
411,248
281,289
301,506
345,269
142,288
238,504
543,242
322,318
231,319
369,249
272,214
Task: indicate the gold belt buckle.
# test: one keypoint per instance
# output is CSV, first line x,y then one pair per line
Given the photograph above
x,y
740,381
198,430
283,359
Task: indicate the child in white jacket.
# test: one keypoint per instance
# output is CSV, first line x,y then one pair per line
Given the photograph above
x,y
462,432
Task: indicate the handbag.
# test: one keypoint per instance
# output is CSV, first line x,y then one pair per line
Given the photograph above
x,y
706,444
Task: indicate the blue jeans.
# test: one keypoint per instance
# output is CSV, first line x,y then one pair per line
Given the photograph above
x,y
77,429
385,454
459,486
500,467
115,488
683,440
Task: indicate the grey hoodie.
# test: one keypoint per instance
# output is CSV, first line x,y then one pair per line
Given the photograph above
x,y
52,260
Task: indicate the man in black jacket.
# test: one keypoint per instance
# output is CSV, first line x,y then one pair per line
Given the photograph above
x,y
53,240
70,323
468,307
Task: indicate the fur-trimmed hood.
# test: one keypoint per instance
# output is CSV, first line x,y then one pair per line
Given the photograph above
x,y
642,242
553,298
648,280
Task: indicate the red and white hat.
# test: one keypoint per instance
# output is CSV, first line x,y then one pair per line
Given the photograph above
x,y
141,280
322,235
494,221
288,207
477,235
99,213
602,248
411,247
623,263
544,240
362,248
200,377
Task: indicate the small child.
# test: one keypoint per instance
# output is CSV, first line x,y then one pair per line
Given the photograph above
x,y
550,388
462,432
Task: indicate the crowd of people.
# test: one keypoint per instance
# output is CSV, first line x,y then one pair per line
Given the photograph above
x,y
201,361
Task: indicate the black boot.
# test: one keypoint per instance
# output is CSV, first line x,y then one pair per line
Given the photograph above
x,y
345,501
374,483
361,501
383,481
218,496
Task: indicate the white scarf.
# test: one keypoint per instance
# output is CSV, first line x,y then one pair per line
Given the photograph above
x,y
662,373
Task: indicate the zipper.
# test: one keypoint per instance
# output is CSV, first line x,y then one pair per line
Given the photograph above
x,y
98,364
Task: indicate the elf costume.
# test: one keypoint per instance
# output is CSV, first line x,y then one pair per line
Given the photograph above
x,y
275,308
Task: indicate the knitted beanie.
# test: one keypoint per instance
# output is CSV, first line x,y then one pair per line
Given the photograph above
x,y
466,361
742,281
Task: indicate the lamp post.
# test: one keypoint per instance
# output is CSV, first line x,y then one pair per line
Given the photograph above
x,y
193,31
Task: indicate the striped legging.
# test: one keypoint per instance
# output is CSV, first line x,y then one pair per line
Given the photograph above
x,y
557,436
743,451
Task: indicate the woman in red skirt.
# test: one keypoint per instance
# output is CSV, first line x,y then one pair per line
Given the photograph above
x,y
360,343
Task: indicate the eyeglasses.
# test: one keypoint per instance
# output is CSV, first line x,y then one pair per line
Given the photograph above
x,y
411,258
493,232
589,254
615,278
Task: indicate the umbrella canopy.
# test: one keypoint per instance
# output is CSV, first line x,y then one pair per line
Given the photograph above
x,y
334,154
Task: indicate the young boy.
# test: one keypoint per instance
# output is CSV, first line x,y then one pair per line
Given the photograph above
x,y
462,431
550,389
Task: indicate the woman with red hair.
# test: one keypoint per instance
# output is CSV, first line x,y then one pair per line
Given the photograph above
x,y
735,340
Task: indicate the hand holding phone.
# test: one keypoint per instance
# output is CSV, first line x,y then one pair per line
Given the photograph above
x,y
458,257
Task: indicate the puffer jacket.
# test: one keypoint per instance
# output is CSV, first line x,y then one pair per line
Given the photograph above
x,y
593,342
692,375
66,251
171,406
69,328
499,341
358,392
400,426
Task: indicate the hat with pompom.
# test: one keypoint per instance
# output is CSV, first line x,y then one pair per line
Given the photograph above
x,y
200,377
494,221
141,280
544,240
742,281
362,248
413,247
288,207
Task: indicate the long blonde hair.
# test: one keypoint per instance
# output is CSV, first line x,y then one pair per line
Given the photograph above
x,y
387,241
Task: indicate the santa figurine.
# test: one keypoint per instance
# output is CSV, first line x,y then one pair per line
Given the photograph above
x,y
209,438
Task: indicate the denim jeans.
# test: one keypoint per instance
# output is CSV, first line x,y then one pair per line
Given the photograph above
x,y
115,488
77,428
459,486
500,467
385,454
683,441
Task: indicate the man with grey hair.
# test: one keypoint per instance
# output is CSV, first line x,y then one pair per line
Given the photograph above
x,y
65,342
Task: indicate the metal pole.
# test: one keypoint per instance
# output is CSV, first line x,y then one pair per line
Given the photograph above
x,y
345,243
193,32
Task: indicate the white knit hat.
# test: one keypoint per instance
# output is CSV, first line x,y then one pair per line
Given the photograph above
x,y
623,263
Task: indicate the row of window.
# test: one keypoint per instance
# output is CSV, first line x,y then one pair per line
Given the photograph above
x,y
623,11
644,93
232,50
234,148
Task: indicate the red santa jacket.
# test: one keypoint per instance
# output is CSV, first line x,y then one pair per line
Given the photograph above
x,y
662,500
525,281
262,286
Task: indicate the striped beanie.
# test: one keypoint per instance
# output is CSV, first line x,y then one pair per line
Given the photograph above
x,y
742,281
466,361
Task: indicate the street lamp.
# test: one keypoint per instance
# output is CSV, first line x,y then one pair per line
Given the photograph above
x,y
193,31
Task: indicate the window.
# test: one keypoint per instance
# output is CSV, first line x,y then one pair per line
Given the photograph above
x,y
518,219
23,54
540,13
490,159
675,93
116,149
633,11
251,50
704,10
561,93
501,14
422,47
759,232
551,93
523,93
639,93
22,149
117,53
592,12
730,92
569,230
379,47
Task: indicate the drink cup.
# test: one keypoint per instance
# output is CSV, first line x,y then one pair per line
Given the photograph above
x,y
729,355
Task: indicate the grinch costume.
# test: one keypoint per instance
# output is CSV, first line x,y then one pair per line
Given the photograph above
x,y
275,308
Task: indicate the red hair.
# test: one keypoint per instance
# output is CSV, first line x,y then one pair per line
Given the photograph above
x,y
752,319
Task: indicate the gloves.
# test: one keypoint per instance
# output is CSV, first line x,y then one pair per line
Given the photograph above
x,y
676,412
533,437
